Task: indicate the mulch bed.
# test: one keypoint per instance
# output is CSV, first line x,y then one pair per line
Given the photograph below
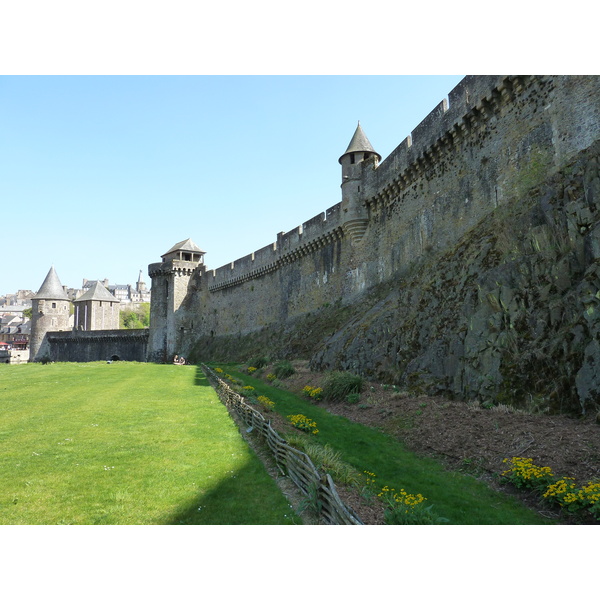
x,y
464,437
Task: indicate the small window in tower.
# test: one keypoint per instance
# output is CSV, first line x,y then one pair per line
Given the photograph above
x,y
187,256
54,305
352,159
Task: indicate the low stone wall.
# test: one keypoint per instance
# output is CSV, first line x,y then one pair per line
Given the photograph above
x,y
14,356
88,346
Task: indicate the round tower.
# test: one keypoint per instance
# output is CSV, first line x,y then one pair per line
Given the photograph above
x,y
50,312
170,281
358,155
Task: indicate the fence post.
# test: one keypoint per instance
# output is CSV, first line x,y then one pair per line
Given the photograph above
x,y
299,466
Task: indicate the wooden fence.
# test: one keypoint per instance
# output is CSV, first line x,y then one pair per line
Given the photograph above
x,y
290,461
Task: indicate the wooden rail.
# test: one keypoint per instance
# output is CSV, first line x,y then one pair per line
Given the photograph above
x,y
290,461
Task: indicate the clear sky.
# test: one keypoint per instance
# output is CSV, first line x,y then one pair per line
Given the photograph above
x,y
101,175
127,127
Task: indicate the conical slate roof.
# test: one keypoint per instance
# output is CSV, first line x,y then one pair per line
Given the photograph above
x,y
186,245
97,292
359,143
51,289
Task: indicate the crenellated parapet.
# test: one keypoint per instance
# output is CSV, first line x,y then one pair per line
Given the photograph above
x,y
490,144
178,268
471,105
316,233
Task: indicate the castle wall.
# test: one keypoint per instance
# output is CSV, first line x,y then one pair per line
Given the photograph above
x,y
459,166
88,346
492,140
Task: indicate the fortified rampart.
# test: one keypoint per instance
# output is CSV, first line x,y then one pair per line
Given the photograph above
x,y
494,139
89,346
315,233
464,158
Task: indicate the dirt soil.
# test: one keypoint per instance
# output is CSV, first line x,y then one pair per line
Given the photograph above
x,y
465,437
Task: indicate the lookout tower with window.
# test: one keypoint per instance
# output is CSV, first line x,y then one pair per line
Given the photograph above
x,y
170,284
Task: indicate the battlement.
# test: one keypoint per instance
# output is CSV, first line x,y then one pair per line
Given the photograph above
x,y
300,241
492,142
470,104
474,100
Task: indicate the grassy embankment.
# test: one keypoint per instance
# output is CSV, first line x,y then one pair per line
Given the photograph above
x,y
461,499
125,443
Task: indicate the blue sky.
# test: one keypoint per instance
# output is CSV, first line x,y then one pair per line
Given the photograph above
x,y
100,175
129,126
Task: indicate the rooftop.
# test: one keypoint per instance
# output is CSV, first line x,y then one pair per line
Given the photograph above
x,y
51,289
97,292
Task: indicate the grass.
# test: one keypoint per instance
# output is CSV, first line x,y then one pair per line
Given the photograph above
x,y
455,496
125,443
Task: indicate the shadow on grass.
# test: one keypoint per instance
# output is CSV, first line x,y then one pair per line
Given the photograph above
x,y
247,496
200,378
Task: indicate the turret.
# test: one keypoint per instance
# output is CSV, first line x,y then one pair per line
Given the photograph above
x,y
358,156
50,312
170,281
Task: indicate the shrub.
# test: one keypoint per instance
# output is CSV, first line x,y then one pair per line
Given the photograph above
x,y
353,398
259,362
412,515
303,423
564,491
248,390
326,459
339,385
571,499
283,369
402,508
266,403
524,474
312,392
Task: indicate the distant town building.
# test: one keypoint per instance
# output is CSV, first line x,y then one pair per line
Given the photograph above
x,y
124,293
21,299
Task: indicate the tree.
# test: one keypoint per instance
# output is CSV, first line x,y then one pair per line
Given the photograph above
x,y
135,318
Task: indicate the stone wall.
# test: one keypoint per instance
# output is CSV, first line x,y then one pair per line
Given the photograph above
x,y
511,314
88,346
485,150
92,315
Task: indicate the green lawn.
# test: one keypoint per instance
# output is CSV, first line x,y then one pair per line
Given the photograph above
x,y
125,443
460,498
